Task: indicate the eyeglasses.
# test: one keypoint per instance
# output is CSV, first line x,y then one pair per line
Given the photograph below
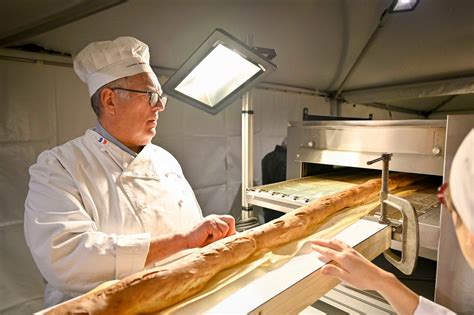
x,y
444,197
153,97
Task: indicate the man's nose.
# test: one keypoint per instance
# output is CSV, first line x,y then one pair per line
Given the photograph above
x,y
159,107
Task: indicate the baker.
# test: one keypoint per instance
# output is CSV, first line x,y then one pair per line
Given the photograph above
x,y
110,203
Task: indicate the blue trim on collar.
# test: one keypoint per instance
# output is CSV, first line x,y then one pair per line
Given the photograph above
x,y
101,131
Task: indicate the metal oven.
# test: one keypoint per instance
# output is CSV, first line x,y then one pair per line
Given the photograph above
x,y
323,155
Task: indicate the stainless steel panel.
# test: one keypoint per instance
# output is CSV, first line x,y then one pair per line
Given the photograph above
x,y
455,278
417,146
399,139
373,123
409,163
429,229
293,168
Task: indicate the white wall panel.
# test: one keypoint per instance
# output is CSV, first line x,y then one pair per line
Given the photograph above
x,y
171,121
14,177
27,102
233,121
204,164
74,112
199,123
27,127
234,159
21,291
213,199
174,144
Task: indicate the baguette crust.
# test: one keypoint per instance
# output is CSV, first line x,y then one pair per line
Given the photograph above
x,y
155,289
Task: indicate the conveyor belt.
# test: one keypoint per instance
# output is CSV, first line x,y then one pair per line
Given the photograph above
x,y
288,195
292,194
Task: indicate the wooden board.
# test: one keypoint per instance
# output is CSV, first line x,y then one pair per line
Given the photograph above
x,y
294,285
311,288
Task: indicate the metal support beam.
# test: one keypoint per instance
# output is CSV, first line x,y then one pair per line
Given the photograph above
x,y
364,50
248,219
290,89
395,108
74,13
335,107
448,86
439,105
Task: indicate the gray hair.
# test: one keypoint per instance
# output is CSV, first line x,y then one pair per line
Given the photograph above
x,y
96,101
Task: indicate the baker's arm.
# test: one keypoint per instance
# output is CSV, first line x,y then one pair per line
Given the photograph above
x,y
359,272
211,229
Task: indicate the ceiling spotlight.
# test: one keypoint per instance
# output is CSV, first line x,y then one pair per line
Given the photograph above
x,y
403,5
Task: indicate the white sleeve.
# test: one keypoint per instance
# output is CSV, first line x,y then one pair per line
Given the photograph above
x,y
72,255
427,307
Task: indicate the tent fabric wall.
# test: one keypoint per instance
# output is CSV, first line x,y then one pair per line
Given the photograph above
x,y
46,105
41,107
27,127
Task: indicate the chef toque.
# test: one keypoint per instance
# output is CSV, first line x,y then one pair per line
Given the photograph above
x,y
100,63
461,181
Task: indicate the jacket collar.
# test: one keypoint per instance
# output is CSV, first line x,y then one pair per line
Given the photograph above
x,y
141,165
104,133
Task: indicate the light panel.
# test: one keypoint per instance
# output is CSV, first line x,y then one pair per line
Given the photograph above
x,y
217,73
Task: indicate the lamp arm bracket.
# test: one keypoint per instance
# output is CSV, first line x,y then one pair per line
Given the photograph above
x,y
268,53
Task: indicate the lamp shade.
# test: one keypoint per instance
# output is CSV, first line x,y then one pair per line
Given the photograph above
x,y
217,73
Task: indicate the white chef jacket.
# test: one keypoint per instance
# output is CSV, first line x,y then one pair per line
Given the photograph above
x,y
427,307
92,208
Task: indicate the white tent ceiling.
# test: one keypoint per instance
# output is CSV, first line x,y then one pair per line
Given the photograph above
x,y
317,41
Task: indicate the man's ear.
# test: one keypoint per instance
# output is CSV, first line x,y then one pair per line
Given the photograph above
x,y
107,98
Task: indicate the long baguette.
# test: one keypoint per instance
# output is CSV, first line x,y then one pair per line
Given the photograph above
x,y
155,289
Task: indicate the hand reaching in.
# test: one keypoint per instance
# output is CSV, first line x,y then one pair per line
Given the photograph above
x,y
351,266
212,228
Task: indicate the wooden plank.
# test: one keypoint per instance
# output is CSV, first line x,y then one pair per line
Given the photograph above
x,y
308,290
295,284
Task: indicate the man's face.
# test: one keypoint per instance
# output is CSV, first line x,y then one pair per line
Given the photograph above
x,y
134,121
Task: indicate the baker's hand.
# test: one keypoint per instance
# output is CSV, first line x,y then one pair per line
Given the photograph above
x,y
212,228
351,267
